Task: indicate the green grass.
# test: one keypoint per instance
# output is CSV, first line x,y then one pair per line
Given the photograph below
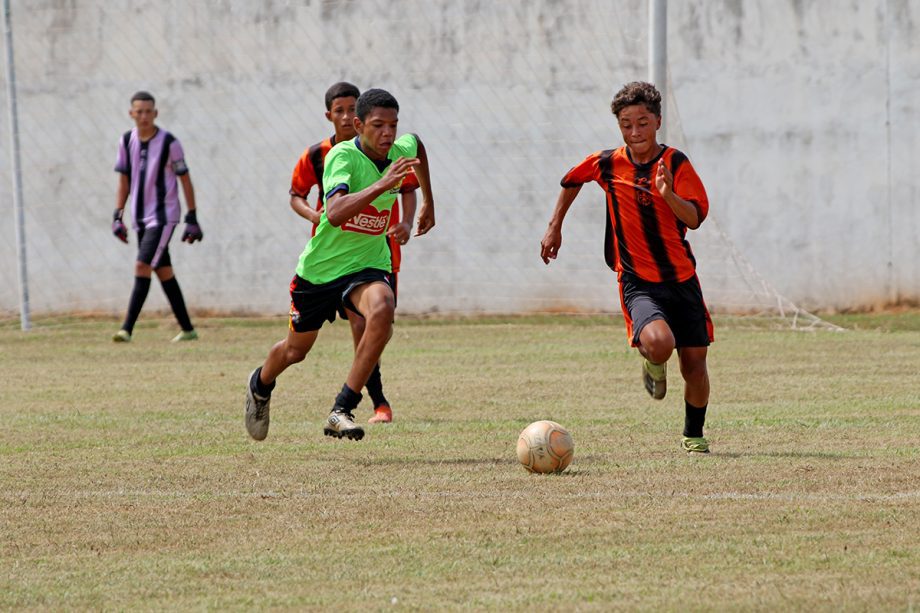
x,y
127,480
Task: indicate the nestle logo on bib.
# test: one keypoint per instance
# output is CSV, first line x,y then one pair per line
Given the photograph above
x,y
368,221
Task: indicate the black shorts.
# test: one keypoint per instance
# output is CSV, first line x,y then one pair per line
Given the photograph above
x,y
680,305
153,245
312,305
393,285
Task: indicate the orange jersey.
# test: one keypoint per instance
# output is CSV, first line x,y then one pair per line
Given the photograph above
x,y
309,172
643,235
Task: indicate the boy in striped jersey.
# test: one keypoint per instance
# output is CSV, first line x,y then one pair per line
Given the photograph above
x,y
150,165
653,197
340,102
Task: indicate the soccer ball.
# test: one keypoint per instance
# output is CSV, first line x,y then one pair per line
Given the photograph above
x,y
545,447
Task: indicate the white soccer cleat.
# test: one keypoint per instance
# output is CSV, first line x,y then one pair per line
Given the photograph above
x,y
341,423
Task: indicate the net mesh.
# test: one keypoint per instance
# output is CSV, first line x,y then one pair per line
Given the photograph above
x,y
506,96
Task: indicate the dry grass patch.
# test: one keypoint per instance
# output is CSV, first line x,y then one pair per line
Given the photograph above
x,y
128,480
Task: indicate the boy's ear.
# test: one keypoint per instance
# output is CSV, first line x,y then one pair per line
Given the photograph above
x,y
328,115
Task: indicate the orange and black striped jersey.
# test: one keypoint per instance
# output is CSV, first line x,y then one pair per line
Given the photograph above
x,y
643,236
309,172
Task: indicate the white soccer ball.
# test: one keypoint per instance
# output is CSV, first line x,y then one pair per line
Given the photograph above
x,y
545,447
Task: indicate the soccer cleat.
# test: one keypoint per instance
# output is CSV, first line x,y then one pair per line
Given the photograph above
x,y
697,444
256,411
122,336
383,414
342,423
655,377
186,335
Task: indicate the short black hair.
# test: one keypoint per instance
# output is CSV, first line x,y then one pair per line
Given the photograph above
x,y
375,98
143,96
637,92
342,89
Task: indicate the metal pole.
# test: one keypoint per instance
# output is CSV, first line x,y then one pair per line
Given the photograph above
x,y
658,56
16,169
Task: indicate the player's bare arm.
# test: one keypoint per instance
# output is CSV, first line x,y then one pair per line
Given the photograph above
x,y
402,231
342,207
121,192
552,239
188,191
121,196
684,210
303,208
426,214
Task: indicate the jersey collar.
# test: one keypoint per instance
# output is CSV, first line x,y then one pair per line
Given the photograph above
x,y
381,165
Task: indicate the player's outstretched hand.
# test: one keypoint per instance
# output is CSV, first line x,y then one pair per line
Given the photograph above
x,y
664,180
402,232
192,229
398,170
118,226
549,246
425,218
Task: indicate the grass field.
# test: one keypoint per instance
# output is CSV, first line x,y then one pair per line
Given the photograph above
x,y
127,480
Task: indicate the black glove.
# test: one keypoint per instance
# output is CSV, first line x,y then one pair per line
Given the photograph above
x,y
192,229
118,226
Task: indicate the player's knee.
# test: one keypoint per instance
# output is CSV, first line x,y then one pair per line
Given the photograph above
x,y
293,355
658,347
694,370
657,342
381,311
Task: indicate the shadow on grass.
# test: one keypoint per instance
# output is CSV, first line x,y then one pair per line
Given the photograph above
x,y
827,455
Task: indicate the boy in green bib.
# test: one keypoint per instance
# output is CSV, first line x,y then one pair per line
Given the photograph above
x,y
347,261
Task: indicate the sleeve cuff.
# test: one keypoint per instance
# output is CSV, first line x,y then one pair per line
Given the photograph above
x,y
341,187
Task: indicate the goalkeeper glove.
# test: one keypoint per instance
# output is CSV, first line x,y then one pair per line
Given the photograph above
x,y
118,226
192,229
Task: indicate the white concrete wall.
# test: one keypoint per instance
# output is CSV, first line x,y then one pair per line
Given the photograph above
x,y
802,119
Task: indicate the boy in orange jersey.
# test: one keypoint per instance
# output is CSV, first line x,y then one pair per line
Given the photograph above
x,y
653,197
308,172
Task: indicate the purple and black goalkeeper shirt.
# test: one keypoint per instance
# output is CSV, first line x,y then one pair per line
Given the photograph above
x,y
152,168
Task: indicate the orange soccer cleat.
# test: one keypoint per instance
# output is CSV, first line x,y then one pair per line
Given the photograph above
x,y
383,414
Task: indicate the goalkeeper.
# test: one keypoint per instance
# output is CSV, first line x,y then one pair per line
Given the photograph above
x,y
653,196
150,165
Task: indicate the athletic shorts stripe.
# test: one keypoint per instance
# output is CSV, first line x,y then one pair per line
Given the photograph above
x,y
153,245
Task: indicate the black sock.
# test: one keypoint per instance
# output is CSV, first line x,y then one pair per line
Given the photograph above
x,y
262,389
138,296
174,294
348,398
694,419
375,388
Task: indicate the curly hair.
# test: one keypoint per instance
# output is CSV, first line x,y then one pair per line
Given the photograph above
x,y
637,92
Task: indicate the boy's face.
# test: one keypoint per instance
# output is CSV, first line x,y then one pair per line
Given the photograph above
x,y
638,126
342,116
143,113
378,131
